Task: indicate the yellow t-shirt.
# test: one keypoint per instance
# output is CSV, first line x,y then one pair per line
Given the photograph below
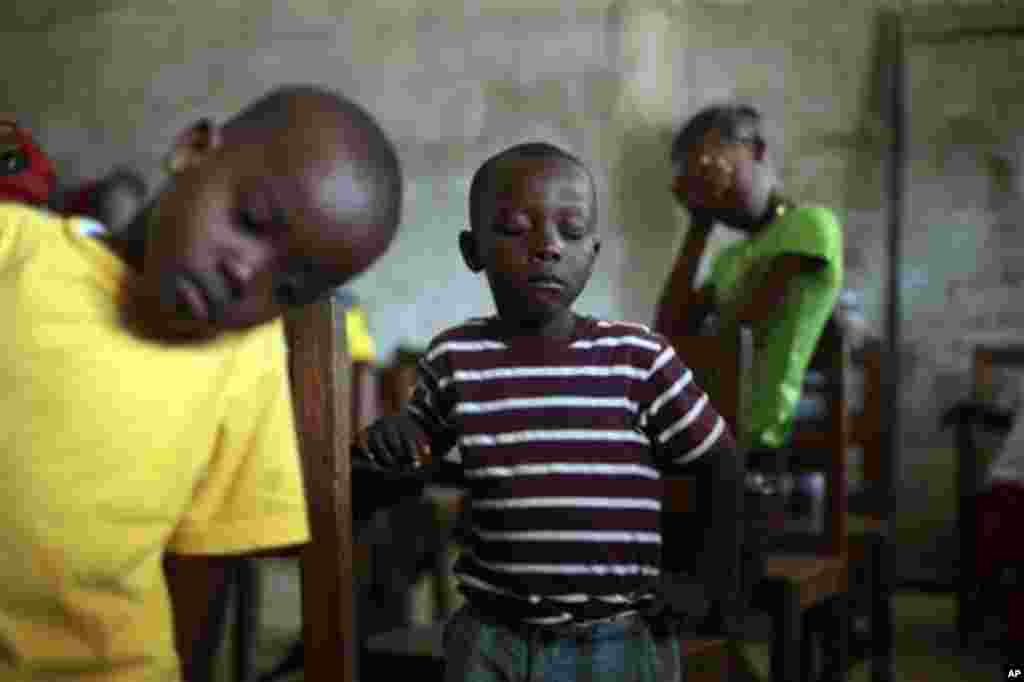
x,y
114,449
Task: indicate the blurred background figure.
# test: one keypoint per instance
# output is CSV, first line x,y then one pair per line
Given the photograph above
x,y
26,173
110,202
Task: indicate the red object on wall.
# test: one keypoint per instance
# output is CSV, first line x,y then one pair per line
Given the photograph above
x,y
26,174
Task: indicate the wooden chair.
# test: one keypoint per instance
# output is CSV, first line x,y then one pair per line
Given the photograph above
x,y
320,373
868,527
967,418
321,378
805,586
365,407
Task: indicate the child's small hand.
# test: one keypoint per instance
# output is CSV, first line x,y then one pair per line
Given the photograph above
x,y
395,443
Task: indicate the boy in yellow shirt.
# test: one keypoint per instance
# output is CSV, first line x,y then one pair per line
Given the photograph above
x,y
143,383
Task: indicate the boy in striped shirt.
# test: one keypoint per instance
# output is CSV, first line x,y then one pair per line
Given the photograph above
x,y
559,425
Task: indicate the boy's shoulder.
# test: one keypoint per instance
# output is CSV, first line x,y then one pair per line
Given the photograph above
x,y
473,329
624,332
15,215
605,327
24,228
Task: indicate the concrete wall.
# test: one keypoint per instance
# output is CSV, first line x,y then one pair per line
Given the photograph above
x,y
111,81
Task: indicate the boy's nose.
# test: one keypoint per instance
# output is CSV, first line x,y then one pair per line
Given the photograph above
x,y
239,274
547,246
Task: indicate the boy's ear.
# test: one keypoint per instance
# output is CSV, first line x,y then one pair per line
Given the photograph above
x,y
468,245
193,144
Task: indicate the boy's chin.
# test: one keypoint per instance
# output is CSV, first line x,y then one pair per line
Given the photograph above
x,y
150,322
540,318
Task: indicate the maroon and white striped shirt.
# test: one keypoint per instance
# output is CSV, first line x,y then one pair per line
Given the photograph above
x,y
560,444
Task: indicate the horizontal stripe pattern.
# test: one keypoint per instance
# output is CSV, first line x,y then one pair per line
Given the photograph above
x,y
561,444
550,468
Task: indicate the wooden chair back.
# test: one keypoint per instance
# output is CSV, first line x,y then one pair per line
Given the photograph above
x,y
867,423
987,361
824,443
321,388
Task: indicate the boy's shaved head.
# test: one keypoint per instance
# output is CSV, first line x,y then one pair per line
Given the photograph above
x,y
336,125
290,198
534,234
483,179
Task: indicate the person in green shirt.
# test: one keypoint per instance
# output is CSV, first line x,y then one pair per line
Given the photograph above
x,y
782,281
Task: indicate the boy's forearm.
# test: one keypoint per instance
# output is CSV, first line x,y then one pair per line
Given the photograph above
x,y
680,305
724,535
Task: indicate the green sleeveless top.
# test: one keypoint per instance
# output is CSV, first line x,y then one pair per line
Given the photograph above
x,y
784,343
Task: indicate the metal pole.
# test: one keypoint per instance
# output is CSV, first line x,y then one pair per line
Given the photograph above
x,y
896,177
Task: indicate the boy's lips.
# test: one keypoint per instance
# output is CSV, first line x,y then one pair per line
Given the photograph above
x,y
190,292
545,282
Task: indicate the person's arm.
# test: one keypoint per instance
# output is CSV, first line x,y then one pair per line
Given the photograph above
x,y
762,298
682,307
691,437
719,478
402,451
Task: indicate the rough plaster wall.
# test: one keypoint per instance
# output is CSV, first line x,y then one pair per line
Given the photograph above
x,y
454,82
964,253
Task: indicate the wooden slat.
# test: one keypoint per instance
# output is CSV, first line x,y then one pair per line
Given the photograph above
x,y
815,577
835,342
867,426
320,372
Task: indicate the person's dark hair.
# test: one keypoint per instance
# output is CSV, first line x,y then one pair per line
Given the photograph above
x,y
734,122
484,176
377,159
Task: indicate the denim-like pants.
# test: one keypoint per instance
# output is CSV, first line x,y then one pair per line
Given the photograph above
x,y
481,648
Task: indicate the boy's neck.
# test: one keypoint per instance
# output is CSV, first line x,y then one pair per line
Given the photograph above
x,y
557,328
762,211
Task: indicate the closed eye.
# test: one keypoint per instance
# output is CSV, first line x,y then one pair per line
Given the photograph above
x,y
249,223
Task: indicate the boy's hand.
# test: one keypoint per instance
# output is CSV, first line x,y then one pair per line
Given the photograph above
x,y
395,443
